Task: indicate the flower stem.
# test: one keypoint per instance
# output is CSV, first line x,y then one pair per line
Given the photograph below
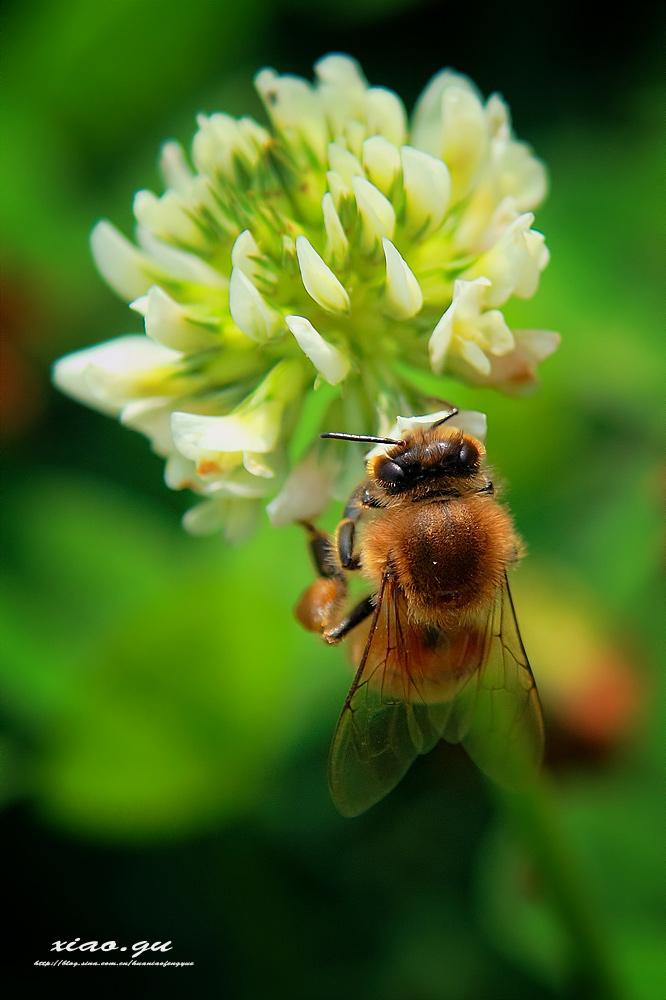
x,y
535,815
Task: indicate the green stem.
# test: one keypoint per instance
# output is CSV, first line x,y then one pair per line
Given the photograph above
x,y
535,815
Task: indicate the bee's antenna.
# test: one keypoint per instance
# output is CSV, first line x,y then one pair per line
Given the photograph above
x,y
454,412
339,436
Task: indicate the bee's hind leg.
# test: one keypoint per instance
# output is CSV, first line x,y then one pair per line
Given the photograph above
x,y
321,603
357,615
323,552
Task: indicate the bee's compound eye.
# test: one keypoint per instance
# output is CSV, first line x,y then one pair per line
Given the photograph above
x,y
389,472
468,456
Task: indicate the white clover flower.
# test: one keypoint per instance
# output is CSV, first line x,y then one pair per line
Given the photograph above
x,y
312,256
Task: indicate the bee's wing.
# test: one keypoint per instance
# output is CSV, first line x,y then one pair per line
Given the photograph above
x,y
497,714
398,705
415,687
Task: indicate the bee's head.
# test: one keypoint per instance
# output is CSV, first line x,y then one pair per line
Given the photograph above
x,y
426,457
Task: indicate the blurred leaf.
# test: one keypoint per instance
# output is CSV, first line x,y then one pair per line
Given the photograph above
x,y
352,12
132,56
615,829
91,90
433,956
516,916
168,674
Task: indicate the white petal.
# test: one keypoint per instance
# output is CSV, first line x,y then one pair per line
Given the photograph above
x,y
320,282
326,358
218,143
354,133
344,163
70,376
174,168
236,518
151,417
293,109
255,140
241,520
168,217
239,482
469,296
424,422
289,258
341,71
494,329
121,265
517,172
104,376
440,341
474,356
381,160
504,215
204,519
464,137
509,265
427,125
386,115
470,421
177,326
337,244
468,235
338,188
540,254
538,344
180,473
427,189
245,255
376,213
255,134
256,465
140,305
498,116
403,292
250,311
254,430
178,263
306,493
515,372
211,154
341,90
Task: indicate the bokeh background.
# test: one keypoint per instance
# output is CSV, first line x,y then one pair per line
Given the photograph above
x,y
166,722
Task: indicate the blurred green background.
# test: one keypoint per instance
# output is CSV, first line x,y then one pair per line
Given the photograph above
x,y
166,721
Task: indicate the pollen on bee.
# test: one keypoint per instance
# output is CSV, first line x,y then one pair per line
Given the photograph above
x,y
318,604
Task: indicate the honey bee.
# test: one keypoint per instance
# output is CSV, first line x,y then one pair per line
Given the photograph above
x,y
436,640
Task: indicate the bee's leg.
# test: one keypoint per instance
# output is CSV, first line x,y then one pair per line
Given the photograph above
x,y
354,507
358,614
345,540
320,604
347,528
323,552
